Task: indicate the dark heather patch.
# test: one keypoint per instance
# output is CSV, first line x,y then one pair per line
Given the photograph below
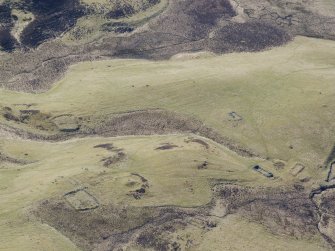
x,y
208,12
110,227
52,19
121,12
127,10
117,27
153,2
7,41
251,36
198,141
287,212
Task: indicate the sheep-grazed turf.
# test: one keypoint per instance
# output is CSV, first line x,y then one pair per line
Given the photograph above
x,y
158,141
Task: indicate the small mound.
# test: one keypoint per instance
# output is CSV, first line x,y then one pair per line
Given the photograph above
x,y
115,158
198,141
67,123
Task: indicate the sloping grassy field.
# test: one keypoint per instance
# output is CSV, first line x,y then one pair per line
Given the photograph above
x,y
173,176
58,168
284,96
279,103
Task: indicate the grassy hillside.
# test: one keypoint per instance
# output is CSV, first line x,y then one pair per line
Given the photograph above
x,y
173,178
283,96
279,103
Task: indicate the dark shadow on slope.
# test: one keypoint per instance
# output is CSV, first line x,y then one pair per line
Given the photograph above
x,y
250,36
7,41
52,19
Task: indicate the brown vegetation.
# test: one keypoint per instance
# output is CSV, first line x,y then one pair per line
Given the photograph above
x,y
281,211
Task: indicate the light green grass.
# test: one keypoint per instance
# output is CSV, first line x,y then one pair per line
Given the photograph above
x,y
284,95
173,178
